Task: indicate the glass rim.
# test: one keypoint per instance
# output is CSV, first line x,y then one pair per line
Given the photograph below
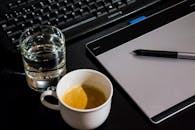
x,y
40,26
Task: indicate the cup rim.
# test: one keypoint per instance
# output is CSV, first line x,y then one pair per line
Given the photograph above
x,y
91,109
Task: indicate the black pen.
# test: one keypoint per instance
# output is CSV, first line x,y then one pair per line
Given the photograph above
x,y
166,54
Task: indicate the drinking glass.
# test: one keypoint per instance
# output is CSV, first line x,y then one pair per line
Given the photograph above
x,y
44,56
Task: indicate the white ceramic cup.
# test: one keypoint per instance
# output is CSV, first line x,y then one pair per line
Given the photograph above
x,y
81,118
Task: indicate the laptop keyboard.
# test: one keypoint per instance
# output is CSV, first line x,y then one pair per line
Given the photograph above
x,y
74,17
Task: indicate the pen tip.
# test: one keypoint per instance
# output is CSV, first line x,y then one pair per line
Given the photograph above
x,y
133,52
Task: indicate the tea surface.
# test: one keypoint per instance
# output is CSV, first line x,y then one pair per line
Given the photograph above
x,y
84,97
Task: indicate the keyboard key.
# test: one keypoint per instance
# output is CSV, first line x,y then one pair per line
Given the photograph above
x,y
3,21
101,12
130,1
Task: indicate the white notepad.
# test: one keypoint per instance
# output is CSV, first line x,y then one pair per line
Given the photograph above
x,y
156,84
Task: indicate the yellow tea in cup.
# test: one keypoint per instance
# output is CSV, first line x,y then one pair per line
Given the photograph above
x,y
84,97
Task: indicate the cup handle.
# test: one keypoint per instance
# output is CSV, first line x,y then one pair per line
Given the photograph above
x,y
46,103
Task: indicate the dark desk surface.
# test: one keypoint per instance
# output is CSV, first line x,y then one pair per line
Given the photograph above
x,y
21,107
